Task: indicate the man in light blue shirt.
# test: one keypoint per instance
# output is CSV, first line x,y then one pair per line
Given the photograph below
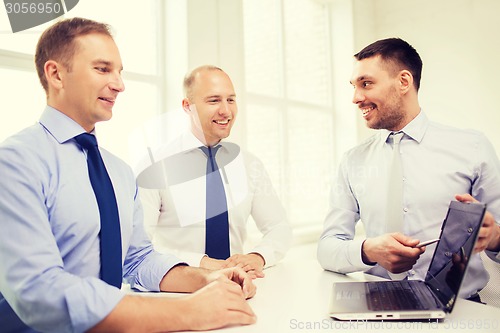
x,y
49,243
438,163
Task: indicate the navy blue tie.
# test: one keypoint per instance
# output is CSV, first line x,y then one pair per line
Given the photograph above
x,y
110,235
217,223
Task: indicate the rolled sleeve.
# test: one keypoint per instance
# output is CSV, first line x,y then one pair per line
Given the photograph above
x,y
90,302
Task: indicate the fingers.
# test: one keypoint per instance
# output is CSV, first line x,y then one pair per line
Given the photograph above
x,y
394,252
488,237
466,197
405,240
246,283
217,305
212,264
486,233
236,297
255,273
239,277
250,263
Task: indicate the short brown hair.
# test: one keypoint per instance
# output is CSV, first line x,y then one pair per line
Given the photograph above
x,y
397,54
58,43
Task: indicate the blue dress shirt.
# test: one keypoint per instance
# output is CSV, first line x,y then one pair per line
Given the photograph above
x,y
438,163
49,245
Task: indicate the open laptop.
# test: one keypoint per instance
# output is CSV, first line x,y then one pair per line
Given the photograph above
x,y
414,299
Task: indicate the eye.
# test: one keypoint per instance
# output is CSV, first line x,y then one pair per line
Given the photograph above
x,y
366,84
102,69
213,100
231,100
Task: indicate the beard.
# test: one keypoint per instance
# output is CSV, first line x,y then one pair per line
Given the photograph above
x,y
390,114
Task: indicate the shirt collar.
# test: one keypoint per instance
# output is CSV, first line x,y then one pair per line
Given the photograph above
x,y
59,125
190,141
415,129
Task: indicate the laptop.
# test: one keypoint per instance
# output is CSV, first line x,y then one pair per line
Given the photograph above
x,y
415,299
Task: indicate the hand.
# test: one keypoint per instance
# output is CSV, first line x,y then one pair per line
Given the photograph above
x,y
395,252
489,234
219,300
183,278
212,264
252,263
221,303
235,275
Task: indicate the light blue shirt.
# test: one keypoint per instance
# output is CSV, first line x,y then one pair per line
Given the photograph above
x,y
438,163
49,245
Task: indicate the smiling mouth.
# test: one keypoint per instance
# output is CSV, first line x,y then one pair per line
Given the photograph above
x,y
109,100
366,110
222,122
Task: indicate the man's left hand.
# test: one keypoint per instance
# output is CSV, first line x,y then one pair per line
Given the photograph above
x,y
251,263
489,234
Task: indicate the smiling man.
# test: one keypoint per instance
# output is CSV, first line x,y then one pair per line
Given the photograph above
x,y
201,214
72,220
436,163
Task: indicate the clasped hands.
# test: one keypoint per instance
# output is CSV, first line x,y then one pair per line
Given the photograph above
x,y
252,263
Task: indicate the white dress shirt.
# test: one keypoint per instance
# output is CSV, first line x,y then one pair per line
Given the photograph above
x,y
174,214
438,163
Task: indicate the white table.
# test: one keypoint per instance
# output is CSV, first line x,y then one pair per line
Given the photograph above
x,y
294,297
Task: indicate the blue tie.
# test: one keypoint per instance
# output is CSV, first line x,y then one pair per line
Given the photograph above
x,y
110,236
217,225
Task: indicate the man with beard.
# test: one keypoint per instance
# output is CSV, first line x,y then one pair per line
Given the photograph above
x,y
436,163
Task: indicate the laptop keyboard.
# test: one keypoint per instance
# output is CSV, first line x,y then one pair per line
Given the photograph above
x,y
396,295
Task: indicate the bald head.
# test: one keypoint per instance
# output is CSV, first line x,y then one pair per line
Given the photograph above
x,y
190,78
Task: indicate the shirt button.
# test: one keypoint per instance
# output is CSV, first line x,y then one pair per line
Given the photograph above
x,y
405,210
411,272
469,230
448,254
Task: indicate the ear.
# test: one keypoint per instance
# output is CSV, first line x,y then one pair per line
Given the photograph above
x,y
53,74
186,106
405,81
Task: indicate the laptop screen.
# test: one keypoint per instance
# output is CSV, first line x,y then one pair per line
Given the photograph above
x,y
449,262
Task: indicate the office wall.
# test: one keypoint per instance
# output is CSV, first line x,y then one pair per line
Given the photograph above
x,y
458,41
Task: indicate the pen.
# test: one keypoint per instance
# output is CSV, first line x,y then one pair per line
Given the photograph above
x,y
431,241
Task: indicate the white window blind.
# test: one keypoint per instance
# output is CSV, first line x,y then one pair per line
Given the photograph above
x,y
288,92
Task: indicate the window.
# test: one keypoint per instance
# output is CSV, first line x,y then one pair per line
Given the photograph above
x,y
23,99
289,114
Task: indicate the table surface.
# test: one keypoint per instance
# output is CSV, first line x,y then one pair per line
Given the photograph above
x,y
294,297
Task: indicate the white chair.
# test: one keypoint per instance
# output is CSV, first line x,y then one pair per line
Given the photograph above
x,y
491,293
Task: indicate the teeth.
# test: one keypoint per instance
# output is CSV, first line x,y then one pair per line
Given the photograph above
x,y
222,122
366,110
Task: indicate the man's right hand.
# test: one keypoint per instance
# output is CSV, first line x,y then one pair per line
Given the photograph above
x,y
395,252
220,303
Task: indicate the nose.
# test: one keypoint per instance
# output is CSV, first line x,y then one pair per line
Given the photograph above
x,y
116,83
358,96
225,109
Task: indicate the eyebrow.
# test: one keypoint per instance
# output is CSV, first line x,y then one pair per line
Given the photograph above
x,y
362,78
219,96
